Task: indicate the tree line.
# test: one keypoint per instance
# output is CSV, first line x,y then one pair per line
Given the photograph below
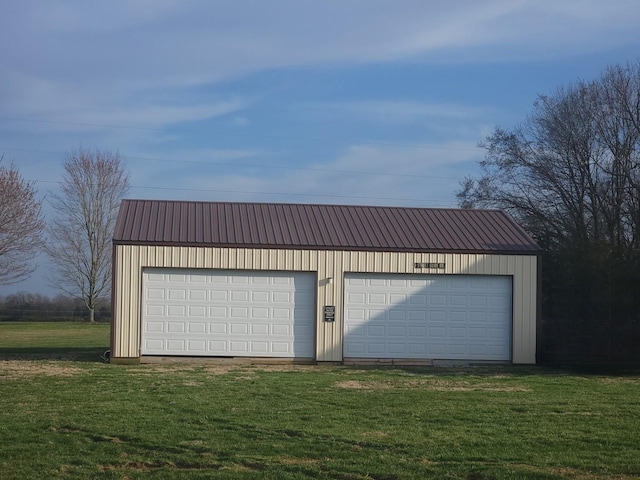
x,y
570,174
34,307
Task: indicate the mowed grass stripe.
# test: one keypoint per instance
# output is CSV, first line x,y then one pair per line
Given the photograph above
x,y
49,340
62,419
55,335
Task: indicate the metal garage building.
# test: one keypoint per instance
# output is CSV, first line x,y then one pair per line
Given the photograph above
x,y
322,283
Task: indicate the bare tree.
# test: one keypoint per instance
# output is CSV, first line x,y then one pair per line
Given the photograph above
x,y
570,173
21,226
80,236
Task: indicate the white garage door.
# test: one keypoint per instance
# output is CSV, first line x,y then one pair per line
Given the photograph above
x,y
453,317
228,313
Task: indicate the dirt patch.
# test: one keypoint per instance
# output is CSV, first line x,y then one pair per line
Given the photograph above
x,y
580,414
435,385
444,386
243,372
359,385
156,466
152,370
569,473
15,369
245,377
283,367
190,383
621,380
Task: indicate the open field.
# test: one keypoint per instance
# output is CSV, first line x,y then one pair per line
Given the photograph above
x,y
87,419
47,340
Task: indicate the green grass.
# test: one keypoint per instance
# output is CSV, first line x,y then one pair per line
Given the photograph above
x,y
86,419
61,340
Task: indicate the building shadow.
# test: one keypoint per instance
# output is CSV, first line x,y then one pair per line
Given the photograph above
x,y
70,354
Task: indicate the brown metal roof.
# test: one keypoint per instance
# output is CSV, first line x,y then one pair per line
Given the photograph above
x,y
330,227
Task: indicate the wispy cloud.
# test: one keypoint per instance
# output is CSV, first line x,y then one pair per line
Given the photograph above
x,y
108,63
389,111
360,175
178,43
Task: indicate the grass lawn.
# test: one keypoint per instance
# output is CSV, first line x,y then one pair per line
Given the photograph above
x,y
87,419
60,340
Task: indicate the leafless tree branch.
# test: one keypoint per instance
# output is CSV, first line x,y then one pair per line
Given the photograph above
x,y
21,226
80,235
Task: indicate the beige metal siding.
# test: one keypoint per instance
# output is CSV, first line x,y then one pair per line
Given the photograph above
x,y
131,259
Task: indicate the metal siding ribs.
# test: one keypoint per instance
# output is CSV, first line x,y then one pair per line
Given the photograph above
x,y
330,227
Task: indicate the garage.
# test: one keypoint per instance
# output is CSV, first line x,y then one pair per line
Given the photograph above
x,y
228,313
445,317
325,283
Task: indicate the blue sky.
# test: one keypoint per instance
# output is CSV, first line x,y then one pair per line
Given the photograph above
x,y
348,102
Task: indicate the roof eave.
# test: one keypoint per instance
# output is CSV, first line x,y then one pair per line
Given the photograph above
x,y
525,251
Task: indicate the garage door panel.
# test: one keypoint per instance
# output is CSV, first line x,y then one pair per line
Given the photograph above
x,y
376,331
416,350
197,345
217,328
155,344
417,331
155,310
229,313
397,331
197,311
357,298
218,312
354,349
238,279
239,329
157,327
428,316
175,327
155,293
281,313
260,296
175,345
438,299
262,347
238,347
500,301
197,327
218,295
259,313
241,296
259,329
458,300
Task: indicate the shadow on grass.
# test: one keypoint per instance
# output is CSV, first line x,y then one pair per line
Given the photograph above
x,y
74,354
509,370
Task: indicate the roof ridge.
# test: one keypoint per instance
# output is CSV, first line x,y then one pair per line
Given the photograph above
x,y
302,204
